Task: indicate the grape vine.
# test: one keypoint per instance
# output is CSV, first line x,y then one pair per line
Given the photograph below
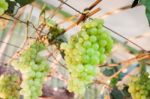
x,y
84,50
34,69
3,6
139,87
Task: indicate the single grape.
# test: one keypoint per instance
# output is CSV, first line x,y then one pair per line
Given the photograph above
x,y
87,44
92,31
95,46
93,38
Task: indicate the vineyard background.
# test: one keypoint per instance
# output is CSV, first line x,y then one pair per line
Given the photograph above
x,y
130,23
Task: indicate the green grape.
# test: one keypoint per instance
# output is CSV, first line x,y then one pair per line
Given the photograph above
x,y
102,43
81,40
34,69
3,6
93,38
95,46
86,37
95,60
101,50
82,34
87,44
139,88
9,86
92,31
90,51
1,11
102,58
84,50
86,58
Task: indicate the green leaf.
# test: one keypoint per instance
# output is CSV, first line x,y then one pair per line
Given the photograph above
x,y
113,82
109,72
120,94
148,15
146,3
116,94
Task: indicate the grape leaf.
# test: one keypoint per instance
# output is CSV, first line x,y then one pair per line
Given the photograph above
x,y
146,3
109,72
116,94
113,82
120,94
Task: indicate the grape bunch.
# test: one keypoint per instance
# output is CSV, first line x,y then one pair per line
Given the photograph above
x,y
84,50
34,69
3,6
139,87
9,86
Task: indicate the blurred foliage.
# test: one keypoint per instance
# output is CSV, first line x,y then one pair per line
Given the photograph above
x,y
24,2
116,94
113,82
109,71
146,3
14,5
120,94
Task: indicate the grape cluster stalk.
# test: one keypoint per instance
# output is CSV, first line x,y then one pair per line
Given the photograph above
x,y
84,51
